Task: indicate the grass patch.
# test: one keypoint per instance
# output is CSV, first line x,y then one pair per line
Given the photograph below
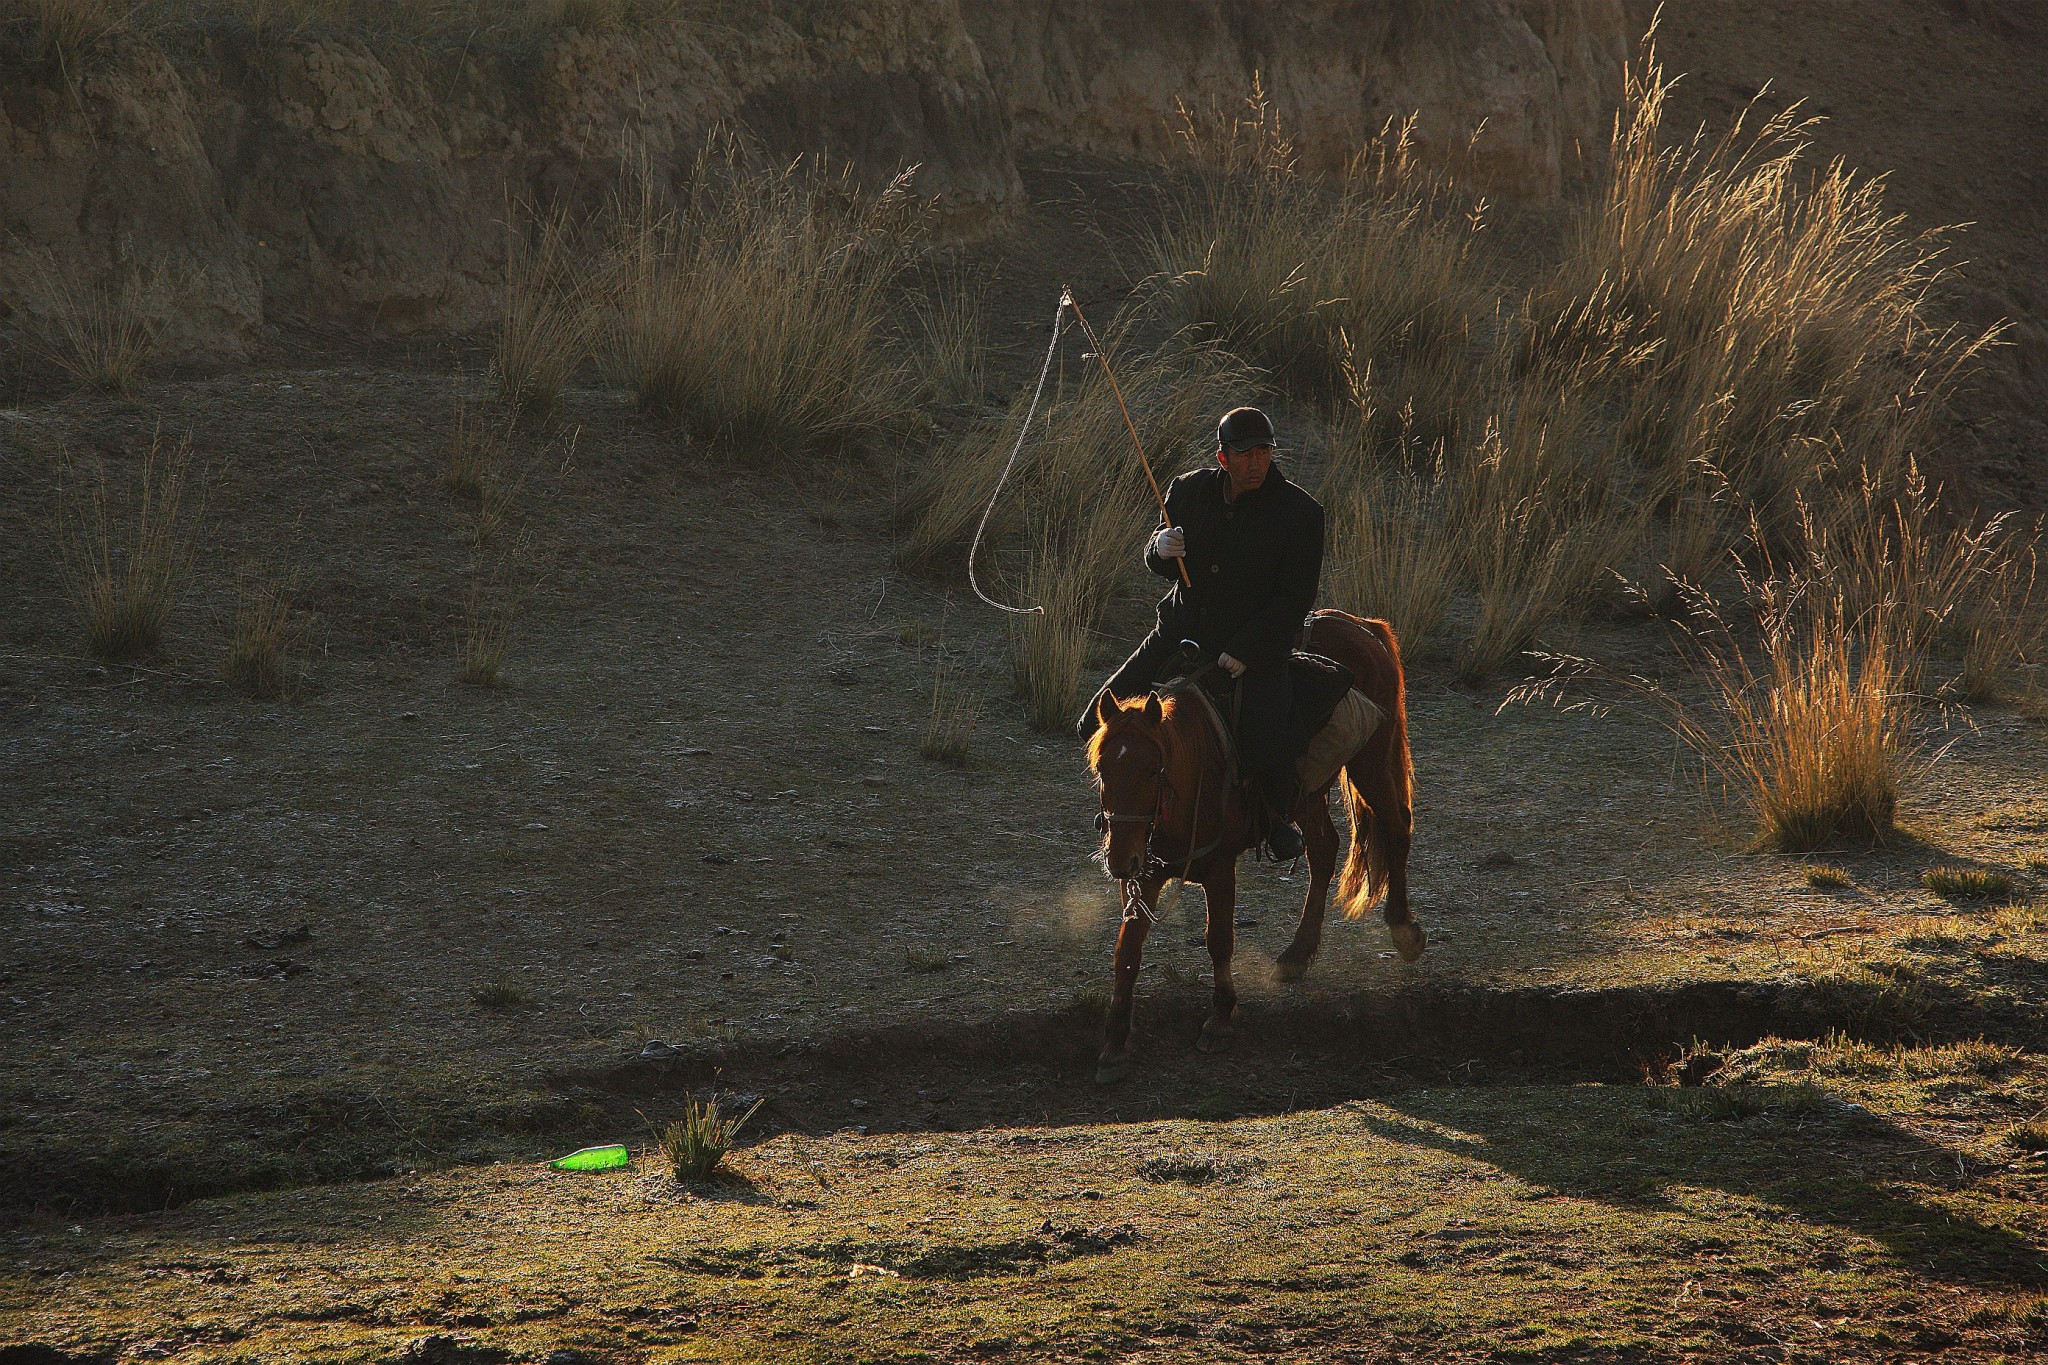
x,y
258,662
476,444
1828,877
124,568
756,309
1733,1103
499,996
55,36
925,960
497,593
951,717
1967,883
696,1144
101,335
544,321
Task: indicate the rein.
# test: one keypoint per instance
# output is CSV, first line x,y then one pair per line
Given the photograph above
x,y
1134,898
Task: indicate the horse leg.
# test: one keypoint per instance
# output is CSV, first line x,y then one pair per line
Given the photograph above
x,y
1393,831
1320,835
1115,1062
1219,889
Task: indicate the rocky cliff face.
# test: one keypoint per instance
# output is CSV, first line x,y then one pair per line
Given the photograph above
x,y
238,179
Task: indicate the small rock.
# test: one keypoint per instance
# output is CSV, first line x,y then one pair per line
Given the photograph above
x,y
409,715
655,1050
694,954
694,753
843,675
858,1104
718,859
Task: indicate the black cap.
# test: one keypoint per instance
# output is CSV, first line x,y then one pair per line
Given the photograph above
x,y
1243,428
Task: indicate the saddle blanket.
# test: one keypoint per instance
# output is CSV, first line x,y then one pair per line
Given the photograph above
x,y
1349,727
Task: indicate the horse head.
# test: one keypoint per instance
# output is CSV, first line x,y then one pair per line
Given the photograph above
x,y
1128,757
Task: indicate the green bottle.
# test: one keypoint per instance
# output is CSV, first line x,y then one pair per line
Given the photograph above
x,y
607,1158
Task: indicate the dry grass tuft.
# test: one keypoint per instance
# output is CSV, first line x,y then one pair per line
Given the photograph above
x,y
1805,720
544,324
1828,877
124,571
476,445
499,996
696,1144
954,712
1768,317
757,310
953,340
1049,648
496,595
1967,883
55,36
101,335
258,662
1299,274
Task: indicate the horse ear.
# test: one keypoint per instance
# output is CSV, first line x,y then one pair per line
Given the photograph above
x,y
1154,713
1105,707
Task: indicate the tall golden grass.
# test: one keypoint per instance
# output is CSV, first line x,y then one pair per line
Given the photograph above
x,y
953,340
124,566
1804,720
544,320
1299,273
1772,315
101,334
757,309
490,610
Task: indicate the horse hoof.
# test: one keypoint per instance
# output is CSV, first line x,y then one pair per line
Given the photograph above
x,y
1110,1070
1216,1036
1409,939
1290,968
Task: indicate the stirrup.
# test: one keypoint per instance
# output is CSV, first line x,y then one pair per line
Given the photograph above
x,y
1283,841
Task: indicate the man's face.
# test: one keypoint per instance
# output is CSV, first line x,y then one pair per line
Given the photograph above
x,y
1247,468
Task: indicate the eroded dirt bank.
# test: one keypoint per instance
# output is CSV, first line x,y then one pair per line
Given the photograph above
x,y
229,178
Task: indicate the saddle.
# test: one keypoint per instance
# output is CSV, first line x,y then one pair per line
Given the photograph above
x,y
1320,685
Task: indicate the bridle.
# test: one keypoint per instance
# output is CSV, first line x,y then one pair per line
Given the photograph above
x,y
1106,821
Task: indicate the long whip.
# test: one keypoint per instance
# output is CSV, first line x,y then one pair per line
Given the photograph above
x,y
1059,322
1059,319
1067,298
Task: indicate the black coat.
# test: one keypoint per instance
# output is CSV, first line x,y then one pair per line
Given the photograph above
x,y
1254,565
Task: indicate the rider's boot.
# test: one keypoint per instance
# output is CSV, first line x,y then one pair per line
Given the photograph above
x,y
1283,838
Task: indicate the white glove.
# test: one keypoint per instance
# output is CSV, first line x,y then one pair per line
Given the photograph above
x,y
1230,665
1170,543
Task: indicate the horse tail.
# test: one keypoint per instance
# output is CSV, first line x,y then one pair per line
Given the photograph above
x,y
1386,768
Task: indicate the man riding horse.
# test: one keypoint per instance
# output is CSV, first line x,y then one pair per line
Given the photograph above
x,y
1243,546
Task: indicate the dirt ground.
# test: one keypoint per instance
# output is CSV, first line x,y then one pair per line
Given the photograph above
x,y
398,925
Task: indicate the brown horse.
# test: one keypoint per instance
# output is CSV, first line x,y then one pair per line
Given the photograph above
x,y
1168,811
